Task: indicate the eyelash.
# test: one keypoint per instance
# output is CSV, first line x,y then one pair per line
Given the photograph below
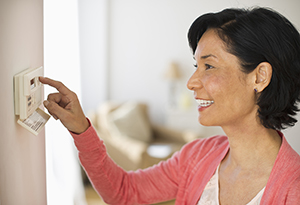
x,y
207,66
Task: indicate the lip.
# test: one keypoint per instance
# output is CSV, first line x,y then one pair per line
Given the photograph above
x,y
202,108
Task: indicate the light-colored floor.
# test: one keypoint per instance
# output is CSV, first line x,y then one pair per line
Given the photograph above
x,y
92,198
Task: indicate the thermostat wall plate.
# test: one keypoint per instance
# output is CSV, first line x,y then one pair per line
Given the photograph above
x,y
28,92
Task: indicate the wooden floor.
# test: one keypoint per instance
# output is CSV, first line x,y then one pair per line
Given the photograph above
x,y
92,198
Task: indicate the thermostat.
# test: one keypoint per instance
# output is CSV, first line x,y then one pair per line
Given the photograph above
x,y
28,92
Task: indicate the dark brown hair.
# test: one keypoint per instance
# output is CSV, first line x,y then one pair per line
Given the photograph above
x,y
261,35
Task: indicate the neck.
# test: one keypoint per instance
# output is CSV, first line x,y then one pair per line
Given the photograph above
x,y
252,146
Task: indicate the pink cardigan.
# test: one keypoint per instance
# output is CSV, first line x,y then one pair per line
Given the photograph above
x,y
183,177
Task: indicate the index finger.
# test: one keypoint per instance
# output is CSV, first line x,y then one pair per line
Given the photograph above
x,y
56,84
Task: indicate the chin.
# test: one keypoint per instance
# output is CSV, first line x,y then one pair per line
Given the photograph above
x,y
206,123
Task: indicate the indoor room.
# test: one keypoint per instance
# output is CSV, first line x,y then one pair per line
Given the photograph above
x,y
129,62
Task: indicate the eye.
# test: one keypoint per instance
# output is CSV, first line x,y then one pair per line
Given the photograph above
x,y
207,67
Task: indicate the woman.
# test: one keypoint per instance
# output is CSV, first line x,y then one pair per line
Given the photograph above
x,y
246,81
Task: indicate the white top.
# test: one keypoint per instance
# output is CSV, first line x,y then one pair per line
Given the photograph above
x,y
210,195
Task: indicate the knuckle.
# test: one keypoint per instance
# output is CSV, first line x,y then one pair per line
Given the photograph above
x,y
60,84
52,106
74,95
51,96
54,97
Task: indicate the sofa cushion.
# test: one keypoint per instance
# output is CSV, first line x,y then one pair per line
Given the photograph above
x,y
102,112
130,120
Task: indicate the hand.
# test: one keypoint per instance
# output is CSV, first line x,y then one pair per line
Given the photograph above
x,y
65,106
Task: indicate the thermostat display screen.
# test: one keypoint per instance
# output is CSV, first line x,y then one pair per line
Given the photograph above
x,y
32,85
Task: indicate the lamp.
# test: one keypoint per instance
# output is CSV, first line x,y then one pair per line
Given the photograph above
x,y
172,75
173,72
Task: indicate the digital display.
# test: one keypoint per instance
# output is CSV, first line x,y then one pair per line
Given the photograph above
x,y
32,84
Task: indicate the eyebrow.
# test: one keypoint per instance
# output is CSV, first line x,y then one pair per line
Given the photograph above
x,y
207,56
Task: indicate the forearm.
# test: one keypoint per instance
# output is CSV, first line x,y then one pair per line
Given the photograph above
x,y
114,184
101,170
117,186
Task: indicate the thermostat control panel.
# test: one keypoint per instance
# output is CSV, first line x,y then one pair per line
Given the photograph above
x,y
28,92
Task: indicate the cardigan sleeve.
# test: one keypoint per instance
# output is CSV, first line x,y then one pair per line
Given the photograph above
x,y
115,185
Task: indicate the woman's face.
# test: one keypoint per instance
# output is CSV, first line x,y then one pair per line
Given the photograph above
x,y
225,94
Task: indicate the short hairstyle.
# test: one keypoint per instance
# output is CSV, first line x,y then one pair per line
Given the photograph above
x,y
260,35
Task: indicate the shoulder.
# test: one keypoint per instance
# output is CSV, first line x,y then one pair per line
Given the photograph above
x,y
284,181
200,148
288,158
198,160
206,143
287,164
294,192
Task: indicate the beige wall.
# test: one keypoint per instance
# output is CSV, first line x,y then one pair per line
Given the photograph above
x,y
141,39
22,155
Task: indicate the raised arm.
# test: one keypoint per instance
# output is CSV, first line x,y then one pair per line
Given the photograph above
x,y
115,185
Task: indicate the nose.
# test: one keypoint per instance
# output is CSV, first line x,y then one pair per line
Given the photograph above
x,y
194,82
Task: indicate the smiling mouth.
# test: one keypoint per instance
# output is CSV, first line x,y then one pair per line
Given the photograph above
x,y
204,103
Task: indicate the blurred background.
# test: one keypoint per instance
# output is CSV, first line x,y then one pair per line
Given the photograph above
x,y
127,50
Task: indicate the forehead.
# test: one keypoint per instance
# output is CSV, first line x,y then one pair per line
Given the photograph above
x,y
210,44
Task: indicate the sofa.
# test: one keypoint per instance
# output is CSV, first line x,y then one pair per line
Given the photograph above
x,y
132,141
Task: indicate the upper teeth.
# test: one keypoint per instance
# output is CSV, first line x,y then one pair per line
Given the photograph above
x,y
205,103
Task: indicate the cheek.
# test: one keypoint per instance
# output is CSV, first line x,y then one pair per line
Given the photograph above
x,y
215,85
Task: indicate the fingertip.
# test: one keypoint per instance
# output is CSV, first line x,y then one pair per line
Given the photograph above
x,y
46,102
41,79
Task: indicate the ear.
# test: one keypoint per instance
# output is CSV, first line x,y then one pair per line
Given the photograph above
x,y
263,76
